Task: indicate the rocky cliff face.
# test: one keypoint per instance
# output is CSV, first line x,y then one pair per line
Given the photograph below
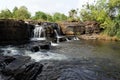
x,y
87,27
91,27
13,31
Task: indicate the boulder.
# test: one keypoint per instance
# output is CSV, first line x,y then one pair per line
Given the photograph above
x,y
39,45
15,64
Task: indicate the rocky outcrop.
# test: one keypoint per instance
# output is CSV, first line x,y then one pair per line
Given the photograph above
x,y
50,29
74,28
14,31
91,27
70,28
19,68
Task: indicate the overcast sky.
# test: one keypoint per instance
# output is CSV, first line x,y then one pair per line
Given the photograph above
x,y
49,6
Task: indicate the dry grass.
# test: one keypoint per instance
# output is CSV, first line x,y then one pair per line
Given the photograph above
x,y
99,37
106,37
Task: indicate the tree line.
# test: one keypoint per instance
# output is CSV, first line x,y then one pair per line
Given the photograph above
x,y
22,13
106,12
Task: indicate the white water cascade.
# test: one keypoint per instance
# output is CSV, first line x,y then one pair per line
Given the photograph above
x,y
75,38
58,37
39,33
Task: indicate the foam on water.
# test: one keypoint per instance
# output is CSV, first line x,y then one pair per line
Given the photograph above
x,y
38,56
10,51
54,44
75,38
38,39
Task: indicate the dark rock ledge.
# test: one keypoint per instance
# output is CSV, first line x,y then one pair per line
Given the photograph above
x,y
19,68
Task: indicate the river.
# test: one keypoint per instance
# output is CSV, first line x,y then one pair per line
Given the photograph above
x,y
76,60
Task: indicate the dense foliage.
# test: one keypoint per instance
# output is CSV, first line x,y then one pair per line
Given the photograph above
x,y
106,12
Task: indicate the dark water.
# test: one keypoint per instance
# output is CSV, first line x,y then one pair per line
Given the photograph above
x,y
77,60
86,60
90,48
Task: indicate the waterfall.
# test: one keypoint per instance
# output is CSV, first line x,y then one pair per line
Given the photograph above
x,y
39,33
58,37
56,33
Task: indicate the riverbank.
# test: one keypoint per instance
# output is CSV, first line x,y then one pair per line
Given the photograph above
x,y
98,37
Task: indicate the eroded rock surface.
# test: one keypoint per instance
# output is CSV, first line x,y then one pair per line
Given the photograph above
x,y
19,68
14,32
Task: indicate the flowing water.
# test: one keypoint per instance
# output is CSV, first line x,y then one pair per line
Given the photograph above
x,y
75,60
39,33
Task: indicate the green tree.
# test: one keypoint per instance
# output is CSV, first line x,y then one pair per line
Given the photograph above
x,y
5,14
63,17
73,13
14,11
96,12
106,12
59,17
40,16
113,8
21,13
49,18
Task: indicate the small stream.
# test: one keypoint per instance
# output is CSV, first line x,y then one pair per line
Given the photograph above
x,y
75,60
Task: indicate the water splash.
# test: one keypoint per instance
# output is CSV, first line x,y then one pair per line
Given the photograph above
x,y
38,56
38,39
10,51
76,38
54,44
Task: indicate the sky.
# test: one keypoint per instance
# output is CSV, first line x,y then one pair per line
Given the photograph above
x,y
48,6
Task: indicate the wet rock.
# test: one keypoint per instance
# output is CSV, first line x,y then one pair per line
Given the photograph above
x,y
5,60
30,72
35,49
45,46
37,46
22,68
15,64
